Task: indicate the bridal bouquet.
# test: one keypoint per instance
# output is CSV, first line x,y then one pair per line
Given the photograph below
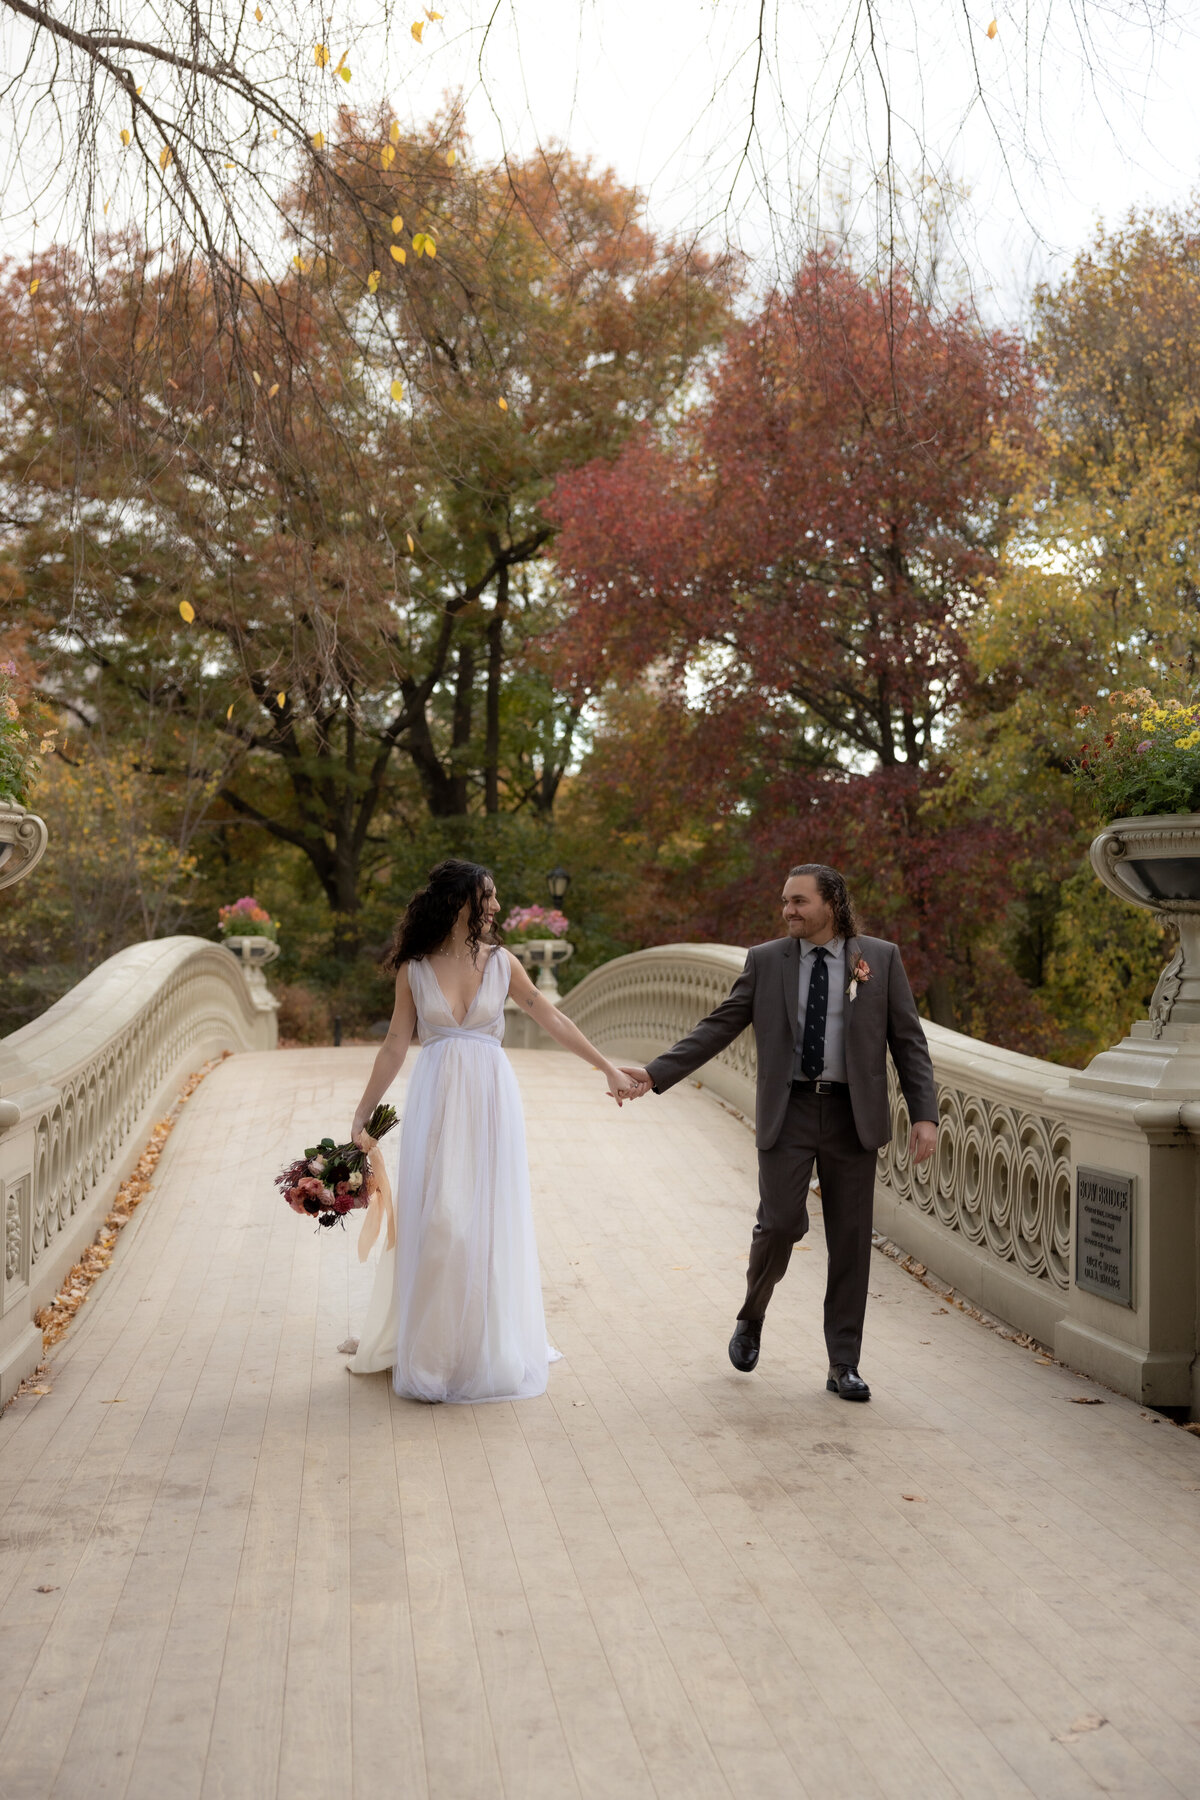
x,y
331,1180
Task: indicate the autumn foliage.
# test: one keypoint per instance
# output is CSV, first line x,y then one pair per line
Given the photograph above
x,y
796,572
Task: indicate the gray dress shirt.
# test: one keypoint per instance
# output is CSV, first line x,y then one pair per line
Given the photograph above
x,y
834,1067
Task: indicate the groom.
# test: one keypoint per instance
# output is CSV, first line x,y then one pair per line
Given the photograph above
x,y
826,1005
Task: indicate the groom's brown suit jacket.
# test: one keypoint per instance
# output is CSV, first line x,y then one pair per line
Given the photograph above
x,y
882,1016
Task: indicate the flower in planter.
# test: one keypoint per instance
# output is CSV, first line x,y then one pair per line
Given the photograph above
x,y
526,923
1141,755
18,753
246,918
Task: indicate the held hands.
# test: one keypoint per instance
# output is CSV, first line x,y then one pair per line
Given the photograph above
x,y
626,1083
923,1142
638,1080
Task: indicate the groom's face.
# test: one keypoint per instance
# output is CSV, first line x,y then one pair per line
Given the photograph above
x,y
805,913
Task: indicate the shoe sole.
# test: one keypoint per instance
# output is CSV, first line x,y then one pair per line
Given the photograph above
x,y
831,1387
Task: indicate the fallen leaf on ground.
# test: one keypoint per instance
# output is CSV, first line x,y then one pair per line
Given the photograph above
x,y
1080,1727
912,1497
1043,1362
45,1590
1193,1427
1085,1400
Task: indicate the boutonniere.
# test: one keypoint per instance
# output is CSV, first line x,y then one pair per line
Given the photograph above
x,y
861,972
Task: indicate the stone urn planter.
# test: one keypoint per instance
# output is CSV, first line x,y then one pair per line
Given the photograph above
x,y
23,839
1154,862
254,953
545,955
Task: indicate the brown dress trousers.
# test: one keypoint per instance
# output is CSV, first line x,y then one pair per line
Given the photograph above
x,y
817,1128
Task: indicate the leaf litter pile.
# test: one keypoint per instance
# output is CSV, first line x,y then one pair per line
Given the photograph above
x,y
55,1319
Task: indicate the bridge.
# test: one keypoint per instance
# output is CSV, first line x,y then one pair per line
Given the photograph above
x,y
227,1567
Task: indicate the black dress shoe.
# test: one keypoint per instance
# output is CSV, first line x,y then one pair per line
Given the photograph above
x,y
743,1345
844,1379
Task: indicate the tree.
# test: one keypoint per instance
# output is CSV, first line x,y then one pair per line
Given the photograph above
x,y
354,548
1098,591
798,571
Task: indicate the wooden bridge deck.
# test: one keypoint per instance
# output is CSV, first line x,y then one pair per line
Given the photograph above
x,y
229,1568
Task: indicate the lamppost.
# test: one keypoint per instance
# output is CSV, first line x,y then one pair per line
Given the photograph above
x,y
558,881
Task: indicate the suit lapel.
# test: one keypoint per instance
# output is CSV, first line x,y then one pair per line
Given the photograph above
x,y
852,955
789,962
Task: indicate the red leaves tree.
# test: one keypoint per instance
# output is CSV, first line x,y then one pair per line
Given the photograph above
x,y
795,570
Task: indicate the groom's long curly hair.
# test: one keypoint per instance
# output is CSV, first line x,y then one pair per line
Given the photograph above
x,y
429,917
833,890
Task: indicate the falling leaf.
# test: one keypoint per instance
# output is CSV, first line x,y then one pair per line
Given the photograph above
x,y
174,385
137,90
272,390
320,55
394,132
451,158
399,254
432,16
280,697
408,538
502,403
258,14
992,29
417,29
275,134
231,165
344,73
397,390
187,611
397,224
164,156
229,714
256,378
35,284
318,140
372,281
125,138
387,156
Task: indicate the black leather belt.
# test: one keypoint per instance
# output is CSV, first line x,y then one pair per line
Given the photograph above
x,y
822,1087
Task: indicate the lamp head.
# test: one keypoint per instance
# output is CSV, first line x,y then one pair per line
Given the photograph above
x,y
558,881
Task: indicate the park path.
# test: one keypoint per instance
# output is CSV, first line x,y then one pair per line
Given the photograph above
x,y
229,1568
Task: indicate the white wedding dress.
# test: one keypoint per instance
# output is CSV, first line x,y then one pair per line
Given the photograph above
x,y
456,1308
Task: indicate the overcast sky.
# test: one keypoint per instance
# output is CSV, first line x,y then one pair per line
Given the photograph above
x,y
1047,132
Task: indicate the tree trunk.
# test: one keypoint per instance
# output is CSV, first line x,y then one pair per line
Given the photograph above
x,y
495,670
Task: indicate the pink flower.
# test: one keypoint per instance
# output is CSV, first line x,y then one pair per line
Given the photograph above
x,y
1143,747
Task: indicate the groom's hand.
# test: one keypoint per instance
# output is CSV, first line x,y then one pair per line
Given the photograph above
x,y
640,1080
923,1142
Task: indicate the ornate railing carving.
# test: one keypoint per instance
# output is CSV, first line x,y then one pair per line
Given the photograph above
x,y
1001,1176
78,1088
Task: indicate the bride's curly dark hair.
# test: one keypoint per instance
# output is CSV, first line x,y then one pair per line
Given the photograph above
x,y
429,917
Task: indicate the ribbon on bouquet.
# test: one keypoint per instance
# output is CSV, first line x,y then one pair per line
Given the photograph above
x,y
379,1207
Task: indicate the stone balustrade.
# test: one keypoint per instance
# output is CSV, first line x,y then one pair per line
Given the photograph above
x,y
993,1213
80,1089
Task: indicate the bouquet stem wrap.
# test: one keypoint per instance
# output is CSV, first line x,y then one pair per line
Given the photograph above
x,y
380,1210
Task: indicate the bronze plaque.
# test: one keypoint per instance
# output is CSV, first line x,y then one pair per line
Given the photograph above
x,y
1104,1234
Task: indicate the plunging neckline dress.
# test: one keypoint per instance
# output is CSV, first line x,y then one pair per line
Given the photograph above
x,y
456,1308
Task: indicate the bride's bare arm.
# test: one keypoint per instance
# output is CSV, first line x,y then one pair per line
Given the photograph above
x,y
564,1032
392,1052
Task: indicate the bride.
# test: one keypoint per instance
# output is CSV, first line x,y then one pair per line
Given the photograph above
x,y
456,1309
